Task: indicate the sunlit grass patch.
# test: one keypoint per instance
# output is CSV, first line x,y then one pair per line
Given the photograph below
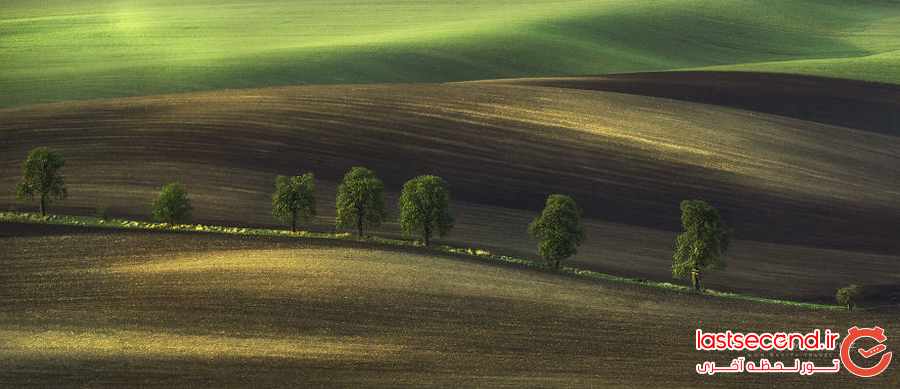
x,y
149,47
88,221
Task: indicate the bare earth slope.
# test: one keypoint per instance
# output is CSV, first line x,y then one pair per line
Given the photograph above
x,y
849,103
124,309
785,185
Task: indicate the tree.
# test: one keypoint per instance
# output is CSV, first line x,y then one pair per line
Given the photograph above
x,y
849,296
425,207
41,177
702,244
294,198
360,200
173,205
558,229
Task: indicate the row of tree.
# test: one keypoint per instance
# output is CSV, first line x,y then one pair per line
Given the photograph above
x,y
424,203
424,212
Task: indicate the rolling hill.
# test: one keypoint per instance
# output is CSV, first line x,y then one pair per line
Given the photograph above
x,y
842,102
123,309
784,115
84,49
809,202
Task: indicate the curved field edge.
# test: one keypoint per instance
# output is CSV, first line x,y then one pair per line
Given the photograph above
x,y
868,67
151,47
468,252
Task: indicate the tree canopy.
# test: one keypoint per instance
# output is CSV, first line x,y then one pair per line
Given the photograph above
x,y
360,200
702,243
173,205
294,199
41,177
849,296
425,207
558,229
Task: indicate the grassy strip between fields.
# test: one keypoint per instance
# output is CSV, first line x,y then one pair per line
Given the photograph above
x,y
484,255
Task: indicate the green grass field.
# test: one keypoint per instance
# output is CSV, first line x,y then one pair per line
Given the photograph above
x,y
62,50
236,302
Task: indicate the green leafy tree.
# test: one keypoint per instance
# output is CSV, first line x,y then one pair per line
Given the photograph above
x,y
425,207
360,200
173,205
41,177
558,229
702,244
849,296
294,199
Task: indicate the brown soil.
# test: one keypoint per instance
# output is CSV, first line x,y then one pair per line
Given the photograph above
x,y
136,309
812,205
850,103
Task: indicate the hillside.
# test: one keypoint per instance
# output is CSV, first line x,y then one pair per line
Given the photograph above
x,y
122,309
84,49
809,202
842,102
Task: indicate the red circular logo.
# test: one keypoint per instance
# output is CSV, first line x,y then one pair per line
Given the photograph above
x,y
856,333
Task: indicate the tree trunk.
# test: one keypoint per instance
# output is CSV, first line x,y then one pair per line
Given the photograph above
x,y
696,280
294,221
426,235
360,215
556,266
43,205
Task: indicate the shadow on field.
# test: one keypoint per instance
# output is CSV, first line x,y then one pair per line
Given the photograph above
x,y
98,310
856,104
